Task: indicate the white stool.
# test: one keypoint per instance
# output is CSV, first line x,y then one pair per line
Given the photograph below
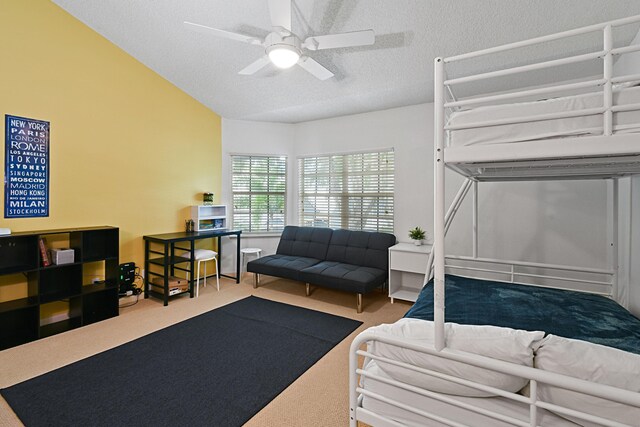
x,y
204,255
250,251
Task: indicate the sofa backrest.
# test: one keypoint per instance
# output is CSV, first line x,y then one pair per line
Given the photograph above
x,y
308,242
364,248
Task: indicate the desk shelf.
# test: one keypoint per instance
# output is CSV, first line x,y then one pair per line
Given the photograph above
x,y
209,217
170,261
170,243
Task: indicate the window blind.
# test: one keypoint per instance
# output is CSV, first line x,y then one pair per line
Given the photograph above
x,y
259,192
352,191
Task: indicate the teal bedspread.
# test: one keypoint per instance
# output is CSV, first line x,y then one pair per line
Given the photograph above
x,y
568,314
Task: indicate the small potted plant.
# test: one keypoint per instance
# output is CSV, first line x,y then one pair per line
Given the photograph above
x,y
417,235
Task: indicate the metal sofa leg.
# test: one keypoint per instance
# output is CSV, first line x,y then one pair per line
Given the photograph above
x,y
256,280
383,287
359,306
308,289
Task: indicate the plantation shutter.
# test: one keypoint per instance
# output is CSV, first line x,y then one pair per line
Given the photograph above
x,y
258,186
352,191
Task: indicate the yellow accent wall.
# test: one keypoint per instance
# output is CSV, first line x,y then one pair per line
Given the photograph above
x,y
128,148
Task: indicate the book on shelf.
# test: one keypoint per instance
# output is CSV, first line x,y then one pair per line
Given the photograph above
x,y
44,254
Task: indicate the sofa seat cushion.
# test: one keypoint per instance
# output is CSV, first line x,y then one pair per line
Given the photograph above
x,y
286,266
348,277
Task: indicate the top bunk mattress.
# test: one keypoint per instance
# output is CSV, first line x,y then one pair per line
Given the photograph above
x,y
623,122
568,314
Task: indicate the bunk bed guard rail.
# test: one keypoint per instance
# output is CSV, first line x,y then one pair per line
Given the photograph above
x,y
607,54
535,377
608,160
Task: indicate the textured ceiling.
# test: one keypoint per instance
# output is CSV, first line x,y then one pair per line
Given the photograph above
x,y
396,71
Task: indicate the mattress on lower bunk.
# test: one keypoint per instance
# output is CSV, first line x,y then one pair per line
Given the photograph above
x,y
568,314
433,406
588,337
624,122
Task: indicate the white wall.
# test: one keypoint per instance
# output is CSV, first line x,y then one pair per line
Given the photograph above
x,y
403,129
246,137
628,63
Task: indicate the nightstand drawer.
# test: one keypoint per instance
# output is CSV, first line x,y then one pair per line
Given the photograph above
x,y
408,261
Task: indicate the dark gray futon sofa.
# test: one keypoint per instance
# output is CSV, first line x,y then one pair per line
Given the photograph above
x,y
354,261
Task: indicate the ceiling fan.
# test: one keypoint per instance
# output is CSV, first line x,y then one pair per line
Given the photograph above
x,y
285,49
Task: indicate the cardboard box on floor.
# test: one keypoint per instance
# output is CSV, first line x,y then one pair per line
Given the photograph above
x,y
174,282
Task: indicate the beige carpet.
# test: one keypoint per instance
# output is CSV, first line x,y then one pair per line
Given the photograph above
x,y
319,397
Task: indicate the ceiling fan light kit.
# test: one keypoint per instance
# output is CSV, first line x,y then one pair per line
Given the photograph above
x,y
284,52
283,56
283,48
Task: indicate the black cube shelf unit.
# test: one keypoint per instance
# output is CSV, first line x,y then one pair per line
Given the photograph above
x,y
95,251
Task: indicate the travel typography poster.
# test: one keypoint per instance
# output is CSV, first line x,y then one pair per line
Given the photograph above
x,y
26,174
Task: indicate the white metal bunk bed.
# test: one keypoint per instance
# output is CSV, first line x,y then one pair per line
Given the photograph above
x,y
591,140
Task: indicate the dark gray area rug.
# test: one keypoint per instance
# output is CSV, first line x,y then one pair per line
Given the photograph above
x,y
217,369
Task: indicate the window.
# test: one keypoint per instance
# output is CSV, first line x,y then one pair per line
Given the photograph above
x,y
258,187
353,191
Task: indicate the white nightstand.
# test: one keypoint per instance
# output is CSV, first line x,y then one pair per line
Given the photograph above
x,y
407,267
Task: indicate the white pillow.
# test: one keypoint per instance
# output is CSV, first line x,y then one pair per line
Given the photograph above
x,y
592,362
497,343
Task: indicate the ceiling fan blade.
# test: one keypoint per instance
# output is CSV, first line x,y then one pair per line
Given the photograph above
x,y
332,41
280,11
222,33
255,66
315,68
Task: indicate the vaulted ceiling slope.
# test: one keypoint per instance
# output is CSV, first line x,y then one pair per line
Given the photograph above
x,y
396,71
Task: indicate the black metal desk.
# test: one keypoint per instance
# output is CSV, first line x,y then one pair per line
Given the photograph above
x,y
168,258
